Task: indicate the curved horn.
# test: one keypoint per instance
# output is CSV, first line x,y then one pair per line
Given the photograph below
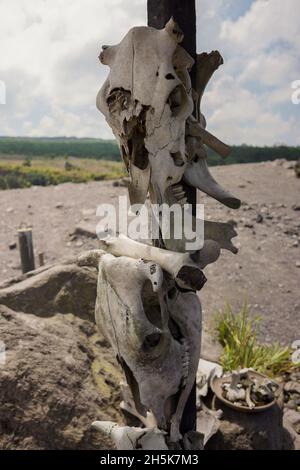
x,y
140,181
197,174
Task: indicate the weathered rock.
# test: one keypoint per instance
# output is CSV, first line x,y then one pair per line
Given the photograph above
x,y
58,377
292,387
291,420
259,218
54,289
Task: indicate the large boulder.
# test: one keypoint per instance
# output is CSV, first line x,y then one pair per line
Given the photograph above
x,y
57,376
64,288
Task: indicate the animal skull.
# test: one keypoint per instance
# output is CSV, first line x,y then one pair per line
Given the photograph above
x,y
147,100
155,331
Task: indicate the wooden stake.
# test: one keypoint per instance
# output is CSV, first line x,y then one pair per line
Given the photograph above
x,y
41,259
26,249
184,13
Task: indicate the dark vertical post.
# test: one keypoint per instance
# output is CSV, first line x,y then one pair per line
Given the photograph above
x,y
184,13
26,249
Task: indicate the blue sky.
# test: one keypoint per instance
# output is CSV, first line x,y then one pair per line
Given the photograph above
x,y
48,61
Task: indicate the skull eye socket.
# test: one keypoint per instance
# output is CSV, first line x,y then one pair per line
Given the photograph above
x,y
177,158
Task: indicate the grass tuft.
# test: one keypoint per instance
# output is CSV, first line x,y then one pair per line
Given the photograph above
x,y
237,333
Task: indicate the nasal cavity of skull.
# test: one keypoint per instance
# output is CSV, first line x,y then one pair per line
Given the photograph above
x,y
170,76
151,305
177,158
175,100
138,151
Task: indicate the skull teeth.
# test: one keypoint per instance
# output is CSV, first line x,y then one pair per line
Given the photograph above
x,y
179,194
185,362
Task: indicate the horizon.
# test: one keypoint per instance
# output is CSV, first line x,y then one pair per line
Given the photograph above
x,y
73,137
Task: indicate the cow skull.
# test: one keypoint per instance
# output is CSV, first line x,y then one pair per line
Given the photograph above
x,y
155,331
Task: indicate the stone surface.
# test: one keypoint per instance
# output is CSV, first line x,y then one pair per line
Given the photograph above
x,y
58,376
54,289
291,421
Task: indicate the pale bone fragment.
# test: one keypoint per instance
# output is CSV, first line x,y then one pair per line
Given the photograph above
x,y
233,392
206,373
132,438
207,424
185,268
248,400
128,405
206,65
207,138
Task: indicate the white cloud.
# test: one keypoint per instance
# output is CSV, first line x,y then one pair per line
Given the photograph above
x,y
249,99
48,60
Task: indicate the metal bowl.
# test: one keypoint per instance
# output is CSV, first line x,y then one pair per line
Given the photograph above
x,y
216,387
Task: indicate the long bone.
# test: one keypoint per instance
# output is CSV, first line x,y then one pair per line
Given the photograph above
x,y
187,272
196,130
131,438
206,65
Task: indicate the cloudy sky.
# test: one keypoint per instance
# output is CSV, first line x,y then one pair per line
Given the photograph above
x,y
48,61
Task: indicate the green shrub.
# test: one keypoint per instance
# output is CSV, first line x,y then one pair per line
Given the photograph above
x,y
27,161
44,173
237,333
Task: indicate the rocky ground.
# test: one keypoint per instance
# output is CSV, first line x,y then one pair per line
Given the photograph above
x,y
266,270
57,373
59,376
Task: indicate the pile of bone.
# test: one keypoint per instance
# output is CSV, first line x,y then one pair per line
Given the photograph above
x,y
248,390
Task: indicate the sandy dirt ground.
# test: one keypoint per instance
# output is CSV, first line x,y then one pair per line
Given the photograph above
x,y
266,270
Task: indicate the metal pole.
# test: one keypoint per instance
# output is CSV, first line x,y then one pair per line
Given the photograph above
x,y
26,249
184,13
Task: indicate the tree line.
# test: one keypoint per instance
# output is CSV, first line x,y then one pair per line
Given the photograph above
x,y
108,150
